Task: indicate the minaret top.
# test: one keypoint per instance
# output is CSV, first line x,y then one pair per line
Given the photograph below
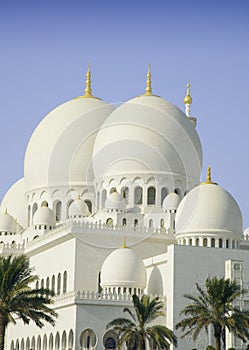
x,y
148,90
188,99
208,179
88,89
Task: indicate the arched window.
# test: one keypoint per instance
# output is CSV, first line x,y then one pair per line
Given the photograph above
x,y
58,211
162,223
88,339
99,282
29,215
197,242
124,222
65,282
190,241
103,198
42,283
39,343
51,342
64,341
135,223
227,243
17,345
53,284
150,223
205,242
125,194
220,243
59,284
98,198
233,244
57,341
34,209
45,343
164,192
178,191
33,343
138,198
89,205
28,344
212,242
47,283
12,346
151,196
70,340
109,222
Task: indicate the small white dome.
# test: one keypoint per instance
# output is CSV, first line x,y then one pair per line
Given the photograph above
x,y
78,208
171,201
123,268
16,202
7,223
115,202
208,208
44,216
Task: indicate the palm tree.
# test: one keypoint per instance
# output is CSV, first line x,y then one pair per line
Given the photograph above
x,y
214,305
136,330
18,300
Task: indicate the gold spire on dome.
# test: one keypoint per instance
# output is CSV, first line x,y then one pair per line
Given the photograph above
x,y
6,211
148,90
88,89
78,197
188,99
208,179
124,243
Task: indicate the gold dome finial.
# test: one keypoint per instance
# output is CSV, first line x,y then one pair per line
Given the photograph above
x,y
124,243
188,99
88,89
208,179
148,90
6,211
78,197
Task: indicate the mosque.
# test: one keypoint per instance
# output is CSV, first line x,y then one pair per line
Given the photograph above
x,y
111,204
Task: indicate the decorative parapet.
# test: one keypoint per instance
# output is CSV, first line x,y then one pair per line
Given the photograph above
x,y
11,248
91,297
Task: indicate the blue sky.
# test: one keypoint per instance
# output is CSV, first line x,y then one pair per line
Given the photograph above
x,y
45,47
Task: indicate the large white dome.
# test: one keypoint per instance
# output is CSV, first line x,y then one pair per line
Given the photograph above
x,y
60,149
208,208
123,268
147,135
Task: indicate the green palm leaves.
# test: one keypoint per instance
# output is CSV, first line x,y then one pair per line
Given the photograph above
x,y
214,306
137,330
18,300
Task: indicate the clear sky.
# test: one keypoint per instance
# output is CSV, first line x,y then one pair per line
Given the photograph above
x,y
45,47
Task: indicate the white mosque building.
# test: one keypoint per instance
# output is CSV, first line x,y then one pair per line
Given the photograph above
x,y
97,175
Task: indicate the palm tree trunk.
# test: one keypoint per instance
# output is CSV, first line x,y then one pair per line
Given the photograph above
x,y
2,333
217,342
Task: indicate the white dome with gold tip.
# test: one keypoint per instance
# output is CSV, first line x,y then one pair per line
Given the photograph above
x,y
44,216
147,135
60,150
7,223
78,208
16,202
208,208
123,268
115,202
